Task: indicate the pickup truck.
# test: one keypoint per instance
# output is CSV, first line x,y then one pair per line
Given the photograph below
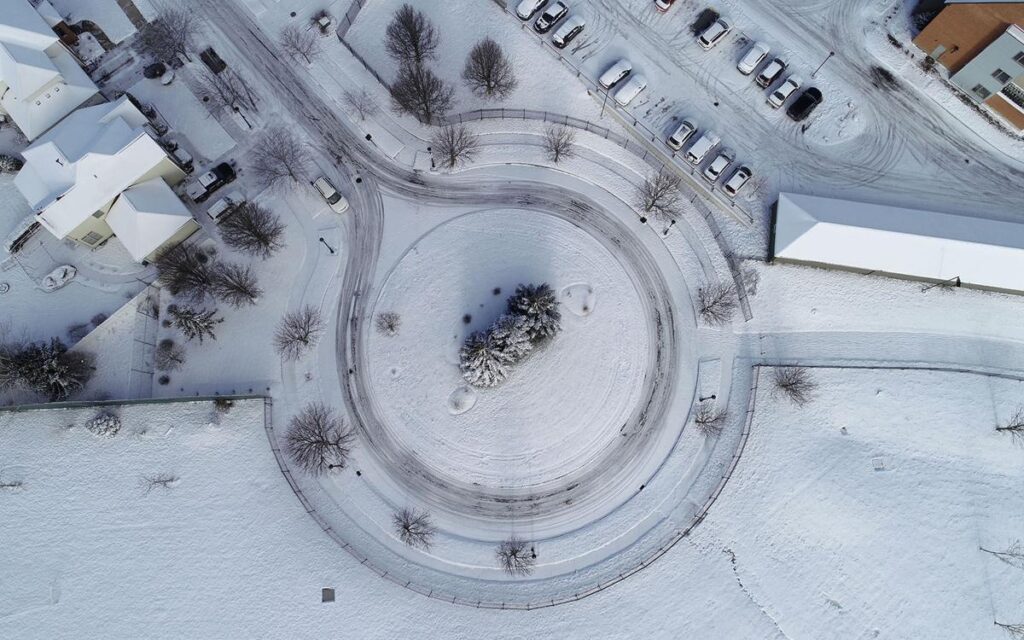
x,y
201,188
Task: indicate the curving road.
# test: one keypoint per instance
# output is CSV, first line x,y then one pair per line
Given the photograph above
x,y
322,125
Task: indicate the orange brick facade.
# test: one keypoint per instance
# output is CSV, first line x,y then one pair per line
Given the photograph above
x,y
1012,114
966,29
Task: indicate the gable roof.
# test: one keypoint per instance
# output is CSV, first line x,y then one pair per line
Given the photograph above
x,y
40,81
146,216
912,242
85,162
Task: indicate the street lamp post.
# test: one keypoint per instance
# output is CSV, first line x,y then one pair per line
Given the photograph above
x,y
827,58
329,247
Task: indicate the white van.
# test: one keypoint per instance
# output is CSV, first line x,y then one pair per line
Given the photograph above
x,y
682,133
700,149
568,31
337,201
220,209
630,90
754,56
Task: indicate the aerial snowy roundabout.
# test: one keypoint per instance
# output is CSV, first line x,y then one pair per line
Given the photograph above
x,y
583,452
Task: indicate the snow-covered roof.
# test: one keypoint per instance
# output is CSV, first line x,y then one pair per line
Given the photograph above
x,y
85,162
40,81
146,216
911,242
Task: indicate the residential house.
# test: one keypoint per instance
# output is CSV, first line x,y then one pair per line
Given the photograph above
x,y
981,44
40,79
99,174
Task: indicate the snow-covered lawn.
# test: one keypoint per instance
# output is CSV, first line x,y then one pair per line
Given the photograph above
x,y
107,14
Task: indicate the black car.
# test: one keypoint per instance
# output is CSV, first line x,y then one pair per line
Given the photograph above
x,y
212,60
805,104
550,17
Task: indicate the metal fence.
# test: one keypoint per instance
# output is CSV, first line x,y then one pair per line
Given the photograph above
x,y
86,404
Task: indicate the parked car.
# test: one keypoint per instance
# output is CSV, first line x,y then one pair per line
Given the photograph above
x,y
550,17
202,187
59,277
629,91
167,78
805,104
718,166
783,91
568,31
337,201
527,8
225,206
770,72
212,60
663,5
154,71
698,150
183,158
681,134
736,182
753,57
615,73
714,34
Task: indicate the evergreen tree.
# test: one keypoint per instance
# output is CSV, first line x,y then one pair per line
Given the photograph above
x,y
539,307
510,334
482,361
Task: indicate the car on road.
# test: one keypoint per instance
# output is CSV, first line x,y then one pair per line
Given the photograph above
x,y
736,182
663,5
568,31
753,57
527,8
700,149
615,73
202,187
682,133
718,166
771,71
803,106
629,91
550,17
212,60
783,91
714,34
59,277
337,201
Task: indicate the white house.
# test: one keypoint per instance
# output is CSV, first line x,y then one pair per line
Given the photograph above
x,y
99,174
925,245
40,80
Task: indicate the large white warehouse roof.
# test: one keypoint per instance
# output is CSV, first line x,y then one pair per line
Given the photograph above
x,y
894,240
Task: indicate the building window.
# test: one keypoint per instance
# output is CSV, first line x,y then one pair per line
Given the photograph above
x,y
1019,57
1014,94
91,238
981,91
98,214
1001,76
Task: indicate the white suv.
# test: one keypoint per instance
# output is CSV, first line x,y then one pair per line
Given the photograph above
x,y
615,73
698,150
782,93
337,201
714,34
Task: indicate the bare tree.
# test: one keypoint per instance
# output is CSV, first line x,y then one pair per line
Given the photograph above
x,y
170,35
195,323
388,322
10,365
279,158
560,142
161,480
318,440
420,93
717,303
795,383
168,356
235,285
1016,630
1012,555
297,41
298,332
362,102
410,38
455,144
414,527
252,228
488,71
659,195
227,91
1014,426
515,557
186,271
709,420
